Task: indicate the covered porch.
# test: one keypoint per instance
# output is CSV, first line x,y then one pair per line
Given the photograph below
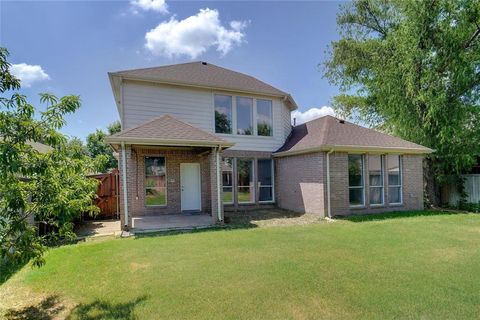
x,y
170,175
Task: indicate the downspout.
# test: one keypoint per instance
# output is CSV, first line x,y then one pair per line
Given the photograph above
x,y
219,193
329,214
124,182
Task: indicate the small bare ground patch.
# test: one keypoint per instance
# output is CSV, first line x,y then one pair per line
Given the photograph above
x,y
271,217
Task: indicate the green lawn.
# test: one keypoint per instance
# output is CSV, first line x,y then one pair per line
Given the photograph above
x,y
414,266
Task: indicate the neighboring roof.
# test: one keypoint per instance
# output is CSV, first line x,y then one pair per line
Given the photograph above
x,y
203,74
167,130
327,133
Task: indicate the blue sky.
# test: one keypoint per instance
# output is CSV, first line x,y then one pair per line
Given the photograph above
x,y
74,44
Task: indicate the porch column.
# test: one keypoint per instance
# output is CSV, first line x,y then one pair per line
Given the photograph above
x,y
216,185
124,172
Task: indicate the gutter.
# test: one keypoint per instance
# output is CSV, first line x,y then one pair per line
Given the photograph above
x,y
124,182
154,141
219,194
329,215
349,148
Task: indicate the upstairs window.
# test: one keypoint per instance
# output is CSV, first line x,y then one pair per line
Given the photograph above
x,y
223,114
375,178
244,116
227,180
155,181
356,180
264,117
394,164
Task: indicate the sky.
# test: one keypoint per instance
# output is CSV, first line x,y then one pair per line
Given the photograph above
x,y
67,47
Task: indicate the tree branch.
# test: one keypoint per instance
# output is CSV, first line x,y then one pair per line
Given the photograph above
x,y
473,37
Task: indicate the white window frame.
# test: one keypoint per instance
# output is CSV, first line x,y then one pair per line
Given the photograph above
x,y
382,186
234,115
233,183
145,179
400,178
271,186
252,188
357,187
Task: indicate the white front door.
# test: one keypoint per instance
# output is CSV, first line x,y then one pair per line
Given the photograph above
x,y
190,187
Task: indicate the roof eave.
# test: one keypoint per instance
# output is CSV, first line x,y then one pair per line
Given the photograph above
x,y
358,149
162,142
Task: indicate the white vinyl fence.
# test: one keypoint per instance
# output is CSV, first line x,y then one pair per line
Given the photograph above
x,y
472,188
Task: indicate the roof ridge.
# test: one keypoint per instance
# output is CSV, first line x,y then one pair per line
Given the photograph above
x,y
142,124
156,67
196,128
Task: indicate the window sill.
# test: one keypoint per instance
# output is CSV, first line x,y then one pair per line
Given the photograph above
x,y
380,205
358,207
244,135
400,204
156,206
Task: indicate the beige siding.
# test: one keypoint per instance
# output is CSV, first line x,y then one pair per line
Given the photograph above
x,y
143,101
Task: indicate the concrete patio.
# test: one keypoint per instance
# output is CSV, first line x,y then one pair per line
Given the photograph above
x,y
170,222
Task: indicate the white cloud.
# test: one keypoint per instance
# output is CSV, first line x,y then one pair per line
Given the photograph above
x,y
312,113
146,5
194,35
28,74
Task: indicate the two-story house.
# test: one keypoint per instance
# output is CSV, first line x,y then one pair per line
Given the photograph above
x,y
200,138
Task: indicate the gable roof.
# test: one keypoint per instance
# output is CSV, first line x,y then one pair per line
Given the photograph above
x,y
202,74
329,133
167,130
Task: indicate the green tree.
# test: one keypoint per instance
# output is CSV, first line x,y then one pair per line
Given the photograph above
x,y
222,123
411,68
49,185
97,146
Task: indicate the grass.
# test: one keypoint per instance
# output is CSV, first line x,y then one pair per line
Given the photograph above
x,y
414,265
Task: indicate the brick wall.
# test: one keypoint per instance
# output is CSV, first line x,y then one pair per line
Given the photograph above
x,y
173,158
300,183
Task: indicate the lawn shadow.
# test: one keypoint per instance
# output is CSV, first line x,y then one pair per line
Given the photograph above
x,y
7,270
101,309
396,215
47,309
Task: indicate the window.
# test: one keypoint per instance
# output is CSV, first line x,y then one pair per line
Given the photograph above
x,y
245,191
355,180
375,178
264,117
265,180
244,116
155,181
223,114
394,178
227,180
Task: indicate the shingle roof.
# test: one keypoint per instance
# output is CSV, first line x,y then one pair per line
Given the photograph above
x,y
331,133
167,130
205,75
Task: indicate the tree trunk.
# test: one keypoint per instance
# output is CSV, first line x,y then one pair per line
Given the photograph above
x,y
430,186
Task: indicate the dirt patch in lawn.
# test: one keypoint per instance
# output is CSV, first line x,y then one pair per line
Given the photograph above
x,y
20,303
271,217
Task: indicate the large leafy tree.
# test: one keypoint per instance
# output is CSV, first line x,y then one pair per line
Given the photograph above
x,y
41,175
412,68
97,146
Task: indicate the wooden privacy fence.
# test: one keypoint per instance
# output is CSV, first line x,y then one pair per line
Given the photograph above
x,y
108,194
472,188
